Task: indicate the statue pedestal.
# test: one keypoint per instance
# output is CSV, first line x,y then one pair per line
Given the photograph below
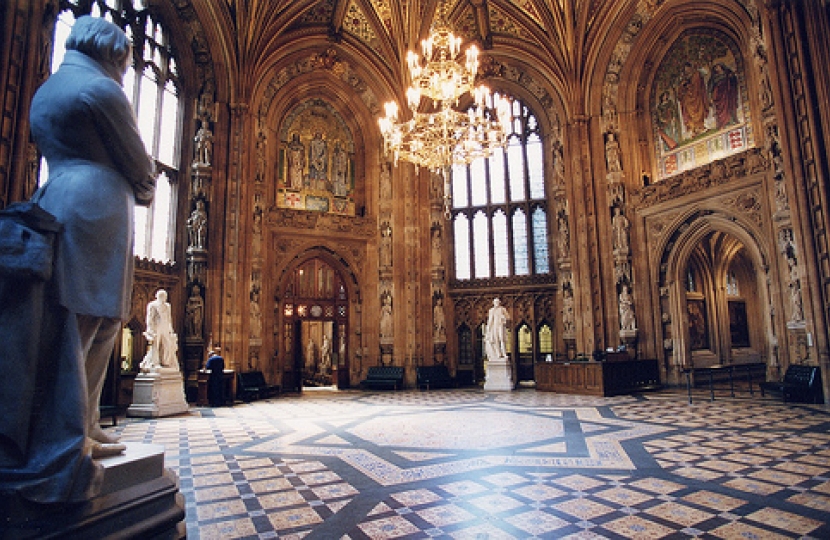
x,y
158,393
499,375
139,498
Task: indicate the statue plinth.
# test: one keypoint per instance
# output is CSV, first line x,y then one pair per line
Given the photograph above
x,y
499,377
158,392
136,490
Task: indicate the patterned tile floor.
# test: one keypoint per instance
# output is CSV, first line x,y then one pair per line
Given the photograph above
x,y
466,464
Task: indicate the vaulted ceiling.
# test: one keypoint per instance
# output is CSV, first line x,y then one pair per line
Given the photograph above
x,y
559,38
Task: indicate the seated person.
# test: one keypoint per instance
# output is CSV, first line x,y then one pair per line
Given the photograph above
x,y
216,380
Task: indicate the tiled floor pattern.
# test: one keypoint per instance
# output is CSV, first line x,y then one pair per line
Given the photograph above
x,y
461,464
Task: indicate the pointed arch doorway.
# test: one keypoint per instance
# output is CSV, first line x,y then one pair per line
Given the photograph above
x,y
315,302
719,309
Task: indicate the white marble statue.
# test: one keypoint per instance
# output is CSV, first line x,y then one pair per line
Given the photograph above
x,y
496,336
84,126
162,342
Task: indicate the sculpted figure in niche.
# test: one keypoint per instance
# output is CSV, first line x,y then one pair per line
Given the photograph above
x,y
438,320
612,153
386,246
204,144
296,162
496,336
563,239
385,181
627,320
436,247
83,124
161,340
568,313
197,226
195,311
619,226
386,317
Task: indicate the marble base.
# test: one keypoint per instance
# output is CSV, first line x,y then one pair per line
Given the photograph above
x,y
158,393
499,377
139,499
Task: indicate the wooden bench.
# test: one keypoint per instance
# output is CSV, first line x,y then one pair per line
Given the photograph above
x,y
437,376
251,385
383,377
800,384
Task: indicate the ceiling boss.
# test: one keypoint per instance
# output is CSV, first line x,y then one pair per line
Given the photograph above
x,y
436,135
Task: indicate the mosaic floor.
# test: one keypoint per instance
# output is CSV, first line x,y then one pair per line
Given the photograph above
x,y
465,464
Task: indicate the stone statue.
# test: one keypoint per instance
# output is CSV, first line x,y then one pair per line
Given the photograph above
x,y
386,317
162,342
619,226
563,239
568,313
296,162
627,319
197,226
195,313
436,247
385,254
438,321
385,181
496,336
325,355
203,144
612,153
84,126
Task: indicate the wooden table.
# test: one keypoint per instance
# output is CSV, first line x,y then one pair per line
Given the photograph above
x,y
592,378
230,387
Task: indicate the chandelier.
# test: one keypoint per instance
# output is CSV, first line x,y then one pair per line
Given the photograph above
x,y
437,136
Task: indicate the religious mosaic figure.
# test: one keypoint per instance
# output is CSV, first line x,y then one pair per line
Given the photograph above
x,y
693,98
723,93
496,336
668,120
296,162
340,164
161,339
318,161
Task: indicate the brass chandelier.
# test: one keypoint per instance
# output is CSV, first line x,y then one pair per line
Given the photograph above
x,y
437,136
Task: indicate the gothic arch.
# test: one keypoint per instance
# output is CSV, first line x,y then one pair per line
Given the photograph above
x,y
681,251
341,308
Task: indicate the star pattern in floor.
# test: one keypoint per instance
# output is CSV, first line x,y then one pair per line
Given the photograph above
x,y
468,464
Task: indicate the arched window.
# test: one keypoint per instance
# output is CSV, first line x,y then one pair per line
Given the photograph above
x,y
152,86
500,220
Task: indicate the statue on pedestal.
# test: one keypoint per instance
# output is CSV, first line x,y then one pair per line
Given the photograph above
x,y
162,341
496,336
